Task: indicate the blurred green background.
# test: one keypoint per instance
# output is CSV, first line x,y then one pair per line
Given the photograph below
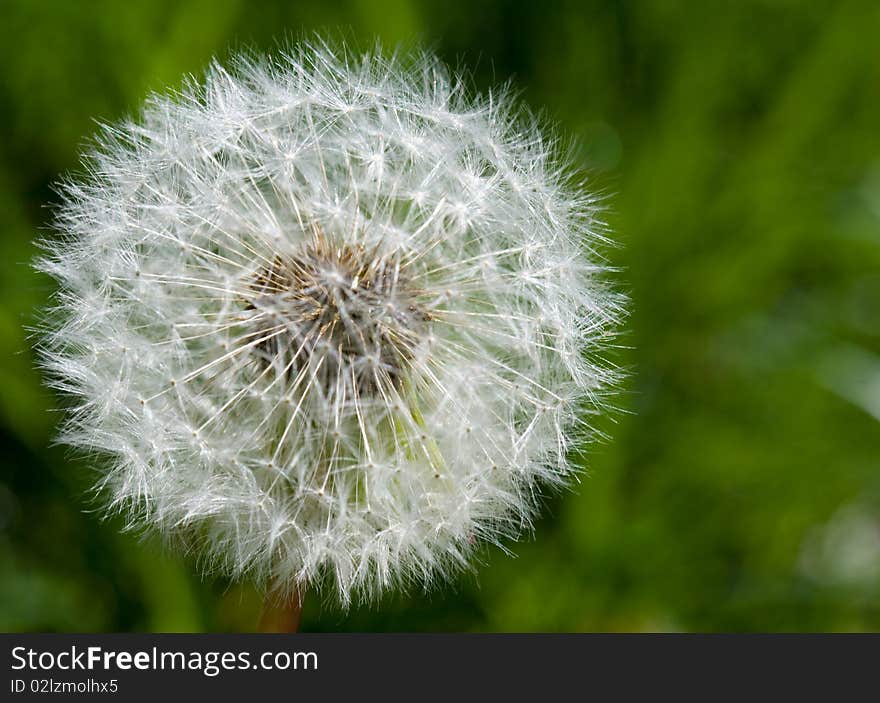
x,y
738,144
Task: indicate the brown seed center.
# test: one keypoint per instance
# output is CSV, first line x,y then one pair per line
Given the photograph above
x,y
345,318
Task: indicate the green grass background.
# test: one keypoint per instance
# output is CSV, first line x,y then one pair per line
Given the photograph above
x,y
739,146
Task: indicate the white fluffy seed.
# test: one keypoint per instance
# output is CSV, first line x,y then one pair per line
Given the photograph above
x,y
376,300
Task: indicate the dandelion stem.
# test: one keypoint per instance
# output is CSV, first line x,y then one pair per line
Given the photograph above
x,y
281,612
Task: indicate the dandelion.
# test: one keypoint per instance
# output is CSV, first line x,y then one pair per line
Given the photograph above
x,y
332,320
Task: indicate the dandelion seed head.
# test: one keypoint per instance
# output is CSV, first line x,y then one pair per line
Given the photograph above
x,y
331,318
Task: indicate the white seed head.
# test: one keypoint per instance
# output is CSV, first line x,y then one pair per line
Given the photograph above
x,y
331,318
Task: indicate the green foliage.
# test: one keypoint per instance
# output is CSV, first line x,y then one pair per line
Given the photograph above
x,y
739,148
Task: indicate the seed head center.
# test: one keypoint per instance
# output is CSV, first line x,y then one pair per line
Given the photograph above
x,y
345,316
